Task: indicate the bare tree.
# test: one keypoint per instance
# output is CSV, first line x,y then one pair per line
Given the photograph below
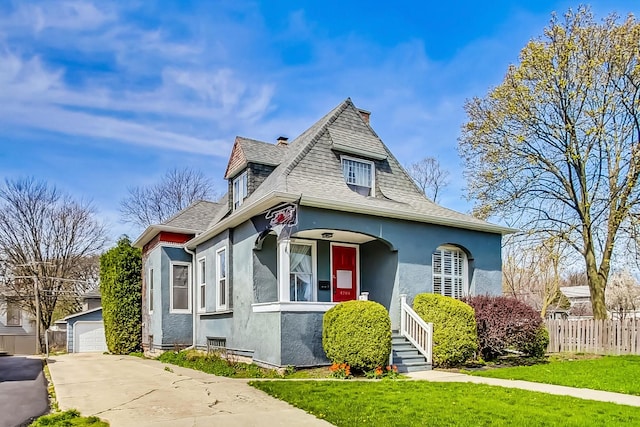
x,y
623,294
533,273
154,204
45,236
555,148
429,176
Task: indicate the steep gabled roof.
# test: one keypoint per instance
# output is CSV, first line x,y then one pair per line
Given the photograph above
x,y
247,151
310,170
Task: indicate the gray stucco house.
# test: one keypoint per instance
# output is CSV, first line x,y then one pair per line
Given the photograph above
x,y
328,217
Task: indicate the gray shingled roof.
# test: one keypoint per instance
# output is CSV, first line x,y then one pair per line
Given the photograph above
x,y
254,151
311,167
196,216
261,152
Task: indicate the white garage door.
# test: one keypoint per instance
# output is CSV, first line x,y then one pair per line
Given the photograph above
x,y
89,336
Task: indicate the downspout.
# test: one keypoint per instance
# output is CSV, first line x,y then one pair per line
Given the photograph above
x,y
194,294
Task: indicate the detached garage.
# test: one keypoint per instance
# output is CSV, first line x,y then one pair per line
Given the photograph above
x,y
85,332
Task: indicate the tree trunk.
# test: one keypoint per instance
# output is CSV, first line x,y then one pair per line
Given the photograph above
x,y
597,286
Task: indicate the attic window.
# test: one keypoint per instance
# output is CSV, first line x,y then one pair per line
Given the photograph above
x,y
239,190
359,175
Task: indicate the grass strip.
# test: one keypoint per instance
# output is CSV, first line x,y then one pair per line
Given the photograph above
x,y
421,403
68,419
609,373
216,365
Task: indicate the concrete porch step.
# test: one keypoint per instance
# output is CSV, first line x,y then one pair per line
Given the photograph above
x,y
413,367
405,356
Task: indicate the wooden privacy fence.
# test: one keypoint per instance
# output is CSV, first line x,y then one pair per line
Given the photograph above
x,y
594,336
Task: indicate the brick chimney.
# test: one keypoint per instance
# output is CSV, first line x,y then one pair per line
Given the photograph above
x,y
365,115
282,141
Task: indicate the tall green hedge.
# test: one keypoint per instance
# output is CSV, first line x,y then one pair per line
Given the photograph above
x,y
357,333
455,338
121,289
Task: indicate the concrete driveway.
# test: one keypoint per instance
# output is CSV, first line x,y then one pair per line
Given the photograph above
x,y
23,390
129,391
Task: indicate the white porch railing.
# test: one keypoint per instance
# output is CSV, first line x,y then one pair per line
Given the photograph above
x,y
416,330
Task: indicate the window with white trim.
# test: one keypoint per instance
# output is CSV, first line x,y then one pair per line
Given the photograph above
x,y
359,175
180,295
449,272
222,283
239,190
297,270
150,281
14,313
202,284
301,272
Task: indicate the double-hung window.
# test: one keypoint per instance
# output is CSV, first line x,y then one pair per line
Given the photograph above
x,y
180,301
449,272
301,272
14,317
202,284
222,283
359,175
239,190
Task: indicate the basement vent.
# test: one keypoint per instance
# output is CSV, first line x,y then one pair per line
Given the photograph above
x,y
215,344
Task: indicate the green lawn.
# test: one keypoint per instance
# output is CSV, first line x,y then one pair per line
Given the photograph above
x,y
421,403
609,373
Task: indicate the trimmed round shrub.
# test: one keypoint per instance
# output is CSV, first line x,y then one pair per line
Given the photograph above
x,y
454,328
357,333
504,323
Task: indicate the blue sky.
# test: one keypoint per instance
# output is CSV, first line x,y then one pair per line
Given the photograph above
x,y
96,97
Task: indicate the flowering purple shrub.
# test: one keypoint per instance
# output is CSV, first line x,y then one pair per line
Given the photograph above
x,y
506,323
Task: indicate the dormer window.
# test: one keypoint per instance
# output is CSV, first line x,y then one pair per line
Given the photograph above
x,y
359,175
239,190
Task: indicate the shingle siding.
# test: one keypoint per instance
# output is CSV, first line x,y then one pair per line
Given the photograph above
x,y
257,174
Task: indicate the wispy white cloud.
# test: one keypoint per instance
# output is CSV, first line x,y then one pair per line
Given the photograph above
x,y
60,15
165,100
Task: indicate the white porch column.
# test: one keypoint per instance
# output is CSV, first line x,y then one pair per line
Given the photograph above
x,y
283,270
403,302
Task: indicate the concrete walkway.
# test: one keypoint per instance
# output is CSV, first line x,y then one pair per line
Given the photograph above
x,y
129,391
582,393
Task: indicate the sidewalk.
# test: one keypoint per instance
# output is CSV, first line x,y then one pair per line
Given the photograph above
x,y
582,393
128,391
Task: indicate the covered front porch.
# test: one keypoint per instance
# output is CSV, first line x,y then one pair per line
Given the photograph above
x,y
318,268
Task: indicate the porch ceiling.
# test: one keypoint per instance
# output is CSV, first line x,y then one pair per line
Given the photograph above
x,y
337,236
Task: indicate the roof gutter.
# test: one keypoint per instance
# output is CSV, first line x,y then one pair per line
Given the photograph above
x,y
268,201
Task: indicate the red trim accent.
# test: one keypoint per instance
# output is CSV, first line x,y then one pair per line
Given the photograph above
x,y
167,237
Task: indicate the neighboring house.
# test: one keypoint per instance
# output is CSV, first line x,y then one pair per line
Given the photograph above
x,y
85,330
91,299
579,301
330,217
17,328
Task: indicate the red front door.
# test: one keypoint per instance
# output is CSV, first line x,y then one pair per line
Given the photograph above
x,y
344,269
